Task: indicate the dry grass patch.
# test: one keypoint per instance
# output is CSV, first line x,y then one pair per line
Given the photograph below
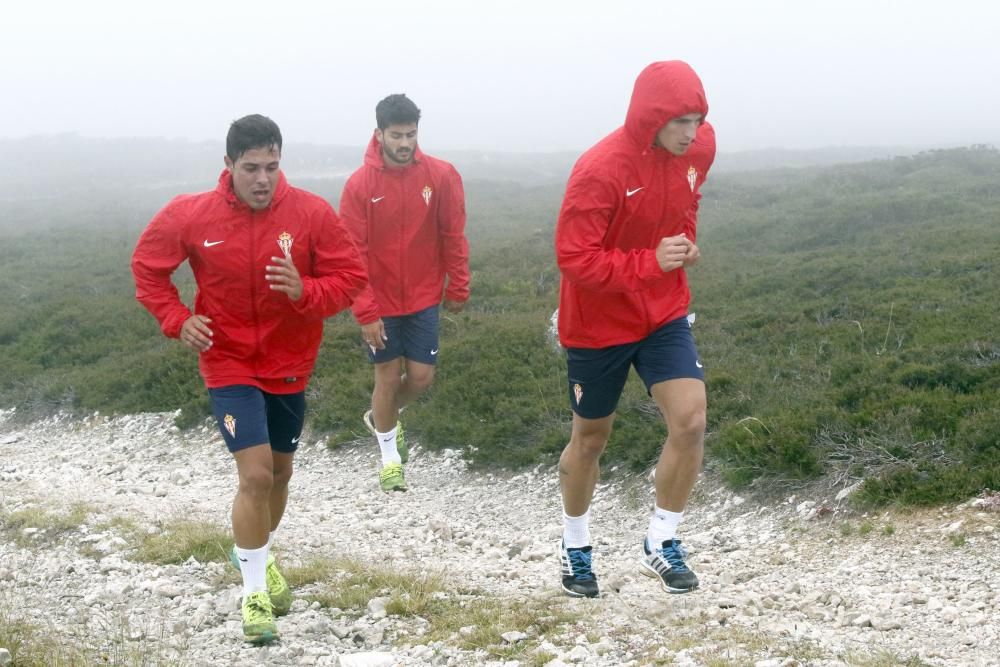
x,y
478,623
310,572
883,658
180,540
354,583
465,619
31,645
34,524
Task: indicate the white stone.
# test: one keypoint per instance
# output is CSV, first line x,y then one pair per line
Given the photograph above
x,y
368,659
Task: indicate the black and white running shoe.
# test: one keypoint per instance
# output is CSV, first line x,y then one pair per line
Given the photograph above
x,y
666,563
578,577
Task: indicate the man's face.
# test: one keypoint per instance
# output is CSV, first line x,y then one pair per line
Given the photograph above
x,y
255,176
676,136
398,143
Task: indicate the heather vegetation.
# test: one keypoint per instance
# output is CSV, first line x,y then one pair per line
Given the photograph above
x,y
845,319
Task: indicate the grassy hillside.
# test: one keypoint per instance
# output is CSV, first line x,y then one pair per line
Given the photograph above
x,y
845,315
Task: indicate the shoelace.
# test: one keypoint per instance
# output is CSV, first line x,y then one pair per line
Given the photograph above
x,y
390,471
580,563
674,554
260,606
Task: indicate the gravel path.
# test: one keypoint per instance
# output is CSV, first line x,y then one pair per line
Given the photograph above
x,y
797,582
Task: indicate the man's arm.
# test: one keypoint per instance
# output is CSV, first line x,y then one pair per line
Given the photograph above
x,y
587,211
338,274
354,213
158,253
454,245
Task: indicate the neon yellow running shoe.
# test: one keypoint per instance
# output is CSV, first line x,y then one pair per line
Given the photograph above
x,y
258,619
277,588
391,478
404,451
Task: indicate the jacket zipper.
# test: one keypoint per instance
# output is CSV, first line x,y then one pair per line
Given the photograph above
x,y
402,181
253,290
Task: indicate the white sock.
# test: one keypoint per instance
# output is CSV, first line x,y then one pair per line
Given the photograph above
x,y
270,538
576,530
387,443
662,526
253,564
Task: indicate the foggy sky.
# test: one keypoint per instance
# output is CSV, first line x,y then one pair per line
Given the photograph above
x,y
517,76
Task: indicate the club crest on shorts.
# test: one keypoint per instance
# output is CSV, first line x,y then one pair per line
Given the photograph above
x,y
578,393
692,177
285,243
229,422
427,194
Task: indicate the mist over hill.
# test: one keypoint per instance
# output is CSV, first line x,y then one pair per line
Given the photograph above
x,y
71,166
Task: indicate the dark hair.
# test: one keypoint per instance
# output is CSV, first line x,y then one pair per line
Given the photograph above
x,y
396,110
249,132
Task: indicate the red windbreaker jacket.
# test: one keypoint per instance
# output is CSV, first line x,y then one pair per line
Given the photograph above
x,y
409,226
261,337
623,196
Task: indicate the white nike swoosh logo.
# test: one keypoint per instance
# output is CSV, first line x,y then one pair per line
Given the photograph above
x,y
629,193
433,352
376,200
209,244
698,364
295,440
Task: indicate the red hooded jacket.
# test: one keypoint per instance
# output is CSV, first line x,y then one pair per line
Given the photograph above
x,y
261,337
409,226
623,196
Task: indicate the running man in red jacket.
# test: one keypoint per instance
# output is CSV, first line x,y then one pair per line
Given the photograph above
x,y
625,235
406,211
271,262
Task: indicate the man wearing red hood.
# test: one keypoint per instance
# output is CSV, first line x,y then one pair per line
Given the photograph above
x,y
625,235
271,263
406,211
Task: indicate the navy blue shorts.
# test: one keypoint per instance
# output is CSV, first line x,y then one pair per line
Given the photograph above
x,y
249,416
413,336
597,376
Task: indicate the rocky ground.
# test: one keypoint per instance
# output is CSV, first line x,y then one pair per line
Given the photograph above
x,y
799,581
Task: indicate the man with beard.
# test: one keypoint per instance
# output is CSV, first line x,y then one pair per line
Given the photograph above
x,y
270,262
406,212
625,235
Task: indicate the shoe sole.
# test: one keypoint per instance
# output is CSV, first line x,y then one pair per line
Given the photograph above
x,y
575,594
263,638
395,488
647,569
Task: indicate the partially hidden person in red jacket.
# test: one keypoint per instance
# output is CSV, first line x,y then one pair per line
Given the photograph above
x,y
271,262
406,211
625,236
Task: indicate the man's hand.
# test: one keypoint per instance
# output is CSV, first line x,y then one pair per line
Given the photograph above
x,y
196,334
285,277
374,335
672,252
692,256
454,306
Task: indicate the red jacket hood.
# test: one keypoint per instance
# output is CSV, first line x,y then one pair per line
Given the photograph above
x,y
373,154
663,91
225,188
